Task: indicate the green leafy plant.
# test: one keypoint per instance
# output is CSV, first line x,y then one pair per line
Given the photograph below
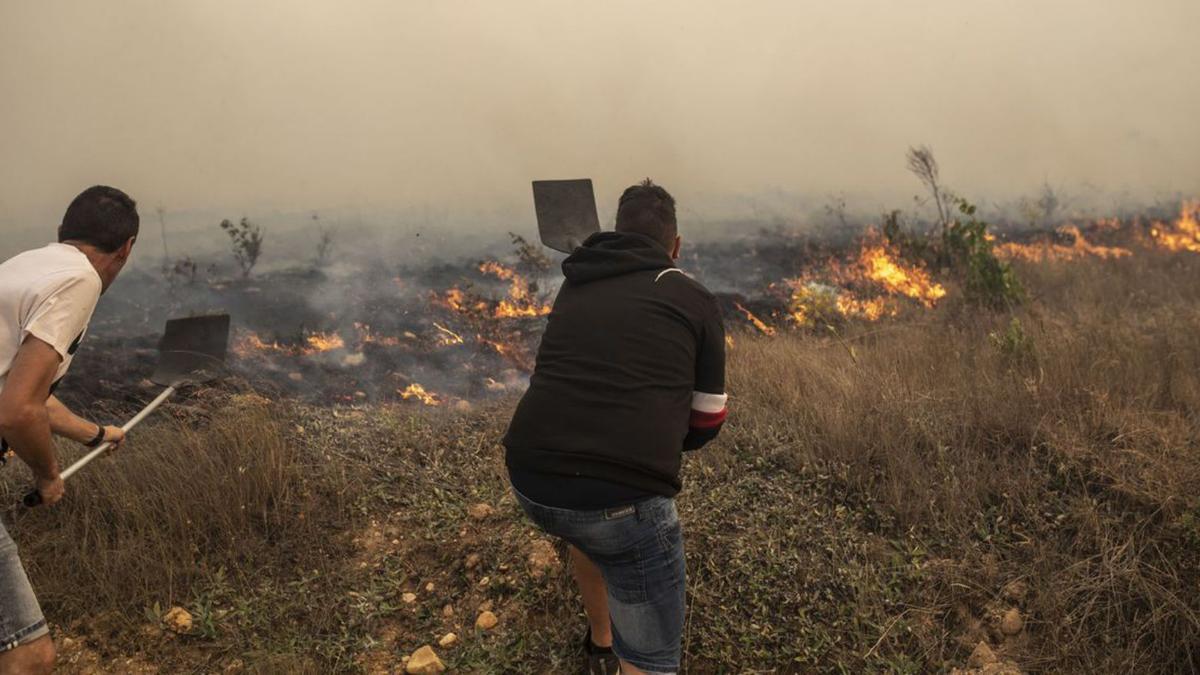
x,y
1013,342
987,280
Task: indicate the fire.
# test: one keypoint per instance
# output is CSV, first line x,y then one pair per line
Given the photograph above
x,y
853,290
497,270
366,335
1184,234
250,344
416,391
455,299
814,303
1044,251
897,279
447,337
324,342
871,310
757,322
509,310
520,302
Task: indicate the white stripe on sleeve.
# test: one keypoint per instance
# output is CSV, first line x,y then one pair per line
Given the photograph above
x,y
708,403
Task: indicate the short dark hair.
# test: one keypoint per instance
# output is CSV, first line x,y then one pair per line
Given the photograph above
x,y
101,216
648,209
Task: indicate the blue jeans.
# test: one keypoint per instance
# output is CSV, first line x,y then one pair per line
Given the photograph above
x,y
21,620
639,550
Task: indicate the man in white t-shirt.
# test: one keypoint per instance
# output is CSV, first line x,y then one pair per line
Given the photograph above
x,y
47,297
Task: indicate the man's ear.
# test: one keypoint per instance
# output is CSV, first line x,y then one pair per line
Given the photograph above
x,y
126,249
678,245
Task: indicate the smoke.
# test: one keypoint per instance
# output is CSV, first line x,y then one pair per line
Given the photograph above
x,y
285,107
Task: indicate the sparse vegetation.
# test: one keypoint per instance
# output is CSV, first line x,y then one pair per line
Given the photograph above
x,y
246,239
923,165
185,270
881,501
986,279
325,241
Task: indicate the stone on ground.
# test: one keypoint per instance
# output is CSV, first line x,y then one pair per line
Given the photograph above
x,y
982,656
1012,623
448,640
424,661
480,511
543,559
178,619
486,621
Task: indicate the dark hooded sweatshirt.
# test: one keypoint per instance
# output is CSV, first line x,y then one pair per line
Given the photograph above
x,y
630,372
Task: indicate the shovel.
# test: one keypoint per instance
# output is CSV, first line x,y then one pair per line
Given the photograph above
x,y
192,351
566,212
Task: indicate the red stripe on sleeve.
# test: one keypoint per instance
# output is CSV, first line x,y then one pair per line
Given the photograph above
x,y
703,420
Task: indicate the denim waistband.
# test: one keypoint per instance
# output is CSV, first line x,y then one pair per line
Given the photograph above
x,y
646,508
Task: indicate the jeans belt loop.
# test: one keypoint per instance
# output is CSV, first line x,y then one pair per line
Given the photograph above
x,y
622,511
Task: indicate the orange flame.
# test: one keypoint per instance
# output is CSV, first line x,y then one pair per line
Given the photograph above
x,y
1183,234
250,344
447,337
757,322
520,302
324,342
897,279
1046,251
814,303
366,335
416,391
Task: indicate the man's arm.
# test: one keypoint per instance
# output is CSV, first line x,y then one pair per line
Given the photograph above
x,y
708,399
67,424
24,419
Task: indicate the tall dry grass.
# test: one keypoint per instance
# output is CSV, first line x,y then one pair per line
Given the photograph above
x,y
184,504
1060,453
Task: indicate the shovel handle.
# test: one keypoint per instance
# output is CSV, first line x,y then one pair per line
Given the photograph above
x,y
34,498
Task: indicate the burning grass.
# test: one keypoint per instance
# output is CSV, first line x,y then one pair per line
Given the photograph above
x,y
1059,456
883,496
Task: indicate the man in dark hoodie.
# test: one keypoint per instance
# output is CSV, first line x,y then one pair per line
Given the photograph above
x,y
630,372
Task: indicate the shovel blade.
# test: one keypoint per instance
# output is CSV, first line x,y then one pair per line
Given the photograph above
x,y
192,350
566,212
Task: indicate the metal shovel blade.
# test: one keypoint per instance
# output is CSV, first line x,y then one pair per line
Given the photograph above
x,y
192,350
566,212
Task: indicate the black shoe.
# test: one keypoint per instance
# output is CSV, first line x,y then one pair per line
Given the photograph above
x,y
600,660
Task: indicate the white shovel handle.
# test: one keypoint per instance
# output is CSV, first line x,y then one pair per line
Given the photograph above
x,y
133,422
33,498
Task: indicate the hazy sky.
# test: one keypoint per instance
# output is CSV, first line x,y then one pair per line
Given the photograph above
x,y
304,104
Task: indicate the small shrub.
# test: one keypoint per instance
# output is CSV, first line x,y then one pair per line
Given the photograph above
x,y
324,248
247,239
183,271
324,243
531,257
987,280
1013,343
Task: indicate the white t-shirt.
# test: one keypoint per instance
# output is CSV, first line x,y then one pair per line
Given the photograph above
x,y
49,293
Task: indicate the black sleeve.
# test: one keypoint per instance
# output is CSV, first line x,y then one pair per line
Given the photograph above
x,y
708,407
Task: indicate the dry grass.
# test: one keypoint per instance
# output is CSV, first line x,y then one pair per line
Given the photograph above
x,y
215,506
1066,460
878,499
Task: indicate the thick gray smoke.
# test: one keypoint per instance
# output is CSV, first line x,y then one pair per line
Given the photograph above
x,y
219,108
